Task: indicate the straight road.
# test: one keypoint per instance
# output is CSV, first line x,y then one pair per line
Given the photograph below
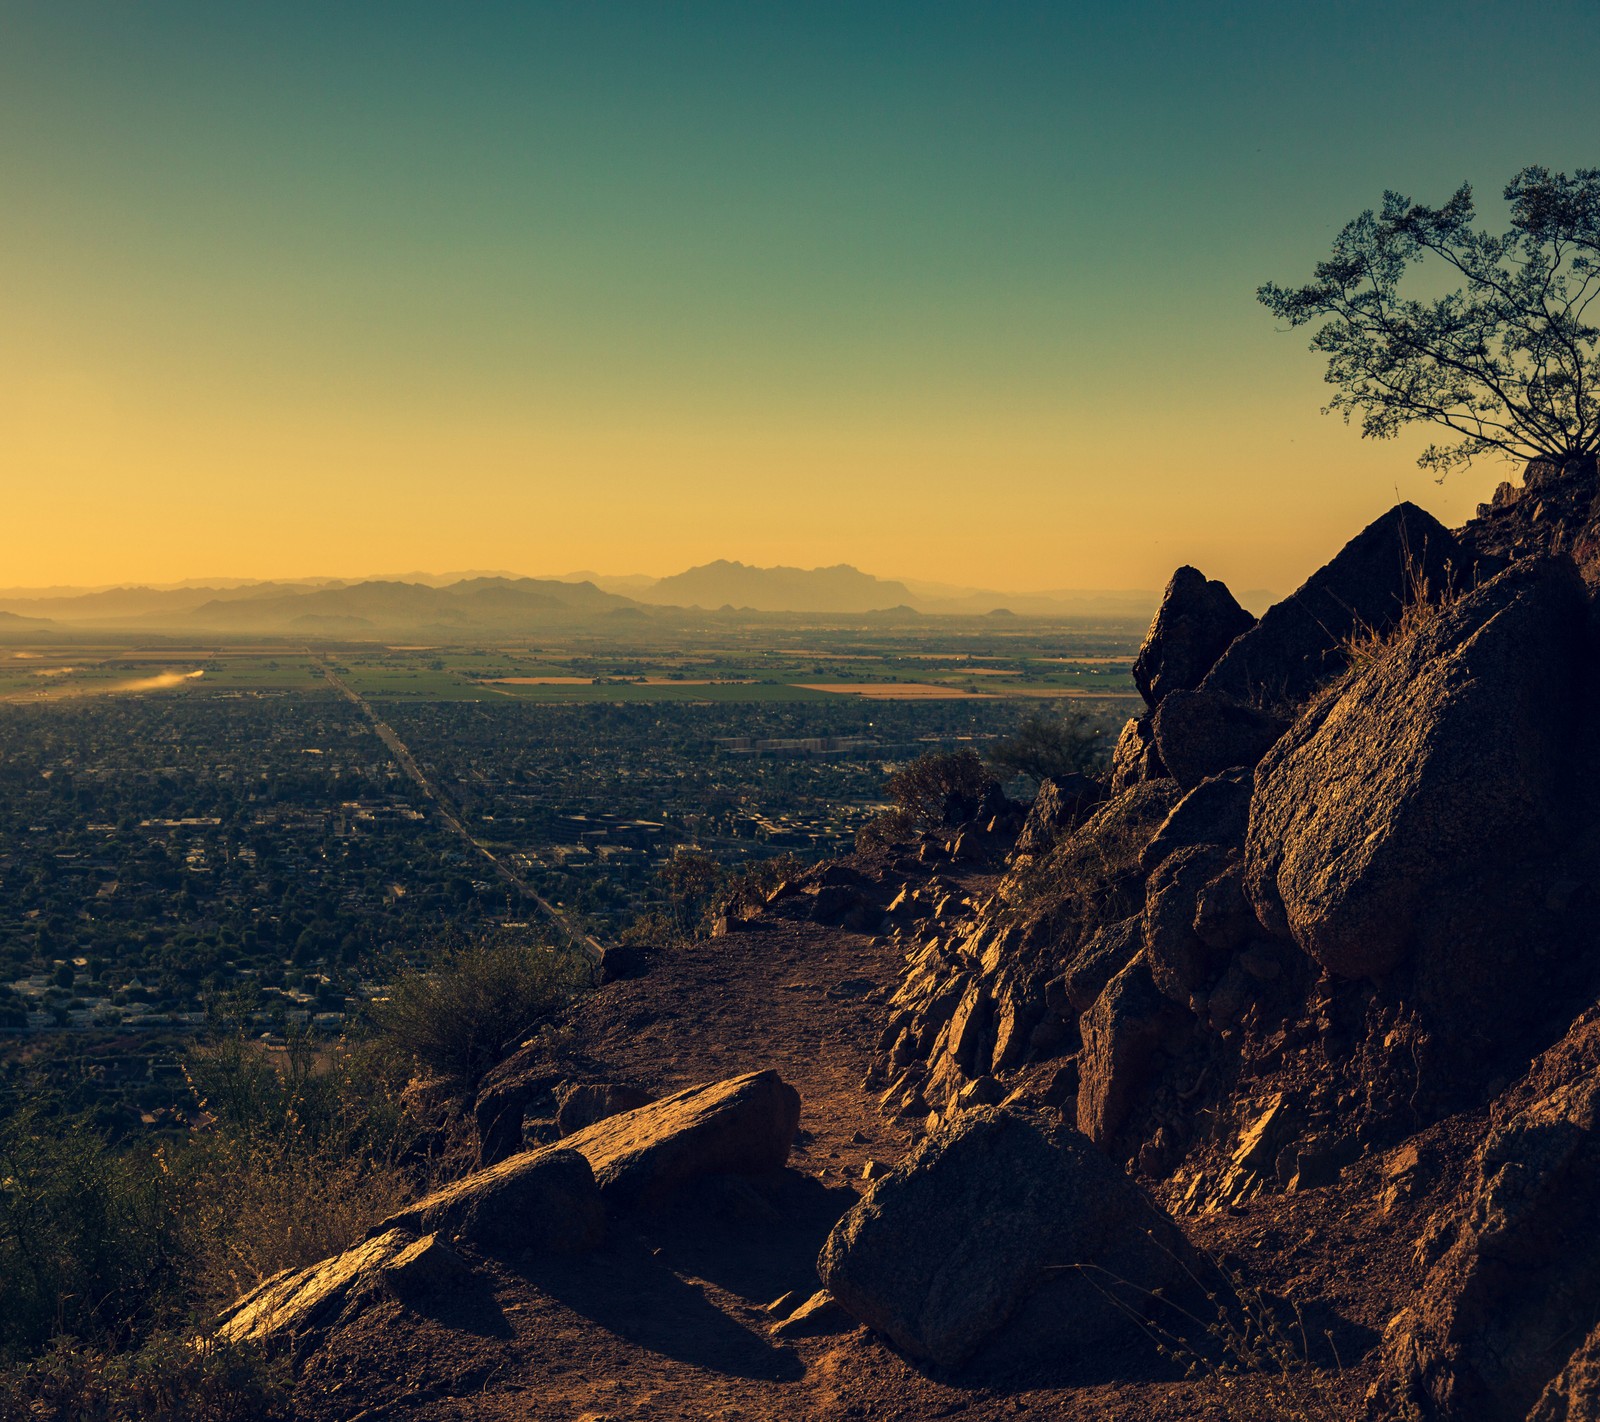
x,y
447,812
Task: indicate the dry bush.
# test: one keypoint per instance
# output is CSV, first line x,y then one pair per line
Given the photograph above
x,y
459,1017
168,1379
298,1157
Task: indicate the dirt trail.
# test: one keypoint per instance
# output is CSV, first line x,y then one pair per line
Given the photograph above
x,y
668,1321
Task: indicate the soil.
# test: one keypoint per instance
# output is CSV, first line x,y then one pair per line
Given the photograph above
x,y
669,1320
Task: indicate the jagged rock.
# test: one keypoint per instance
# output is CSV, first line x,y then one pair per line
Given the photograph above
x,y
1214,812
285,1309
1181,963
818,1315
1194,625
1515,1287
1556,509
582,1103
1200,733
1298,643
543,1200
742,1126
1124,1036
969,1252
1573,1395
1135,758
1061,805
1387,823
1105,955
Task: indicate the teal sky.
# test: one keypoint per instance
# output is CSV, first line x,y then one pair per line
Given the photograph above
x,y
948,291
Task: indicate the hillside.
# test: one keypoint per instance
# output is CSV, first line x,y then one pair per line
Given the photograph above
x,y
1256,1079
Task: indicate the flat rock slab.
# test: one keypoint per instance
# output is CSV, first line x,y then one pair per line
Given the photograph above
x,y
742,1126
545,1200
293,1303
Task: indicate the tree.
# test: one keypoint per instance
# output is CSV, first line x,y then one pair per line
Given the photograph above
x,y
1507,362
1047,747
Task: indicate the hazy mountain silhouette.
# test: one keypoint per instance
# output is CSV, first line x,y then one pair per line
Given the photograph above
x,y
723,583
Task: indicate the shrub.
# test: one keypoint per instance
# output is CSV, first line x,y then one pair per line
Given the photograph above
x,y
1048,747
88,1235
462,1016
168,1379
298,1158
923,787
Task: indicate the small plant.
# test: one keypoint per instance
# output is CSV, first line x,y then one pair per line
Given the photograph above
x,y
1368,646
1048,747
924,787
460,1017
167,1379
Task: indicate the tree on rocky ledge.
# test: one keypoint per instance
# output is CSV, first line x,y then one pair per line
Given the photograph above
x,y
1507,362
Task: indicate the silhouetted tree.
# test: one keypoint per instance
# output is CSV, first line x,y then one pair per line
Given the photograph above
x,y
1506,362
1047,747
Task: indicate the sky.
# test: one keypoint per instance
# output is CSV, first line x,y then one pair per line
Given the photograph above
x,y
954,292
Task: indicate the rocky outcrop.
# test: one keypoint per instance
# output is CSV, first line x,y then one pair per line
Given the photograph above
x,y
1060,806
1197,620
1002,1239
543,1200
1199,734
1128,1033
1388,825
1135,758
1403,557
292,1307
742,1126
1555,510
1515,1287
582,1103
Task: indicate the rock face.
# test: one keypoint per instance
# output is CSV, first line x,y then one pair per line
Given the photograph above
x,y
1297,644
542,1200
1135,758
1196,621
1126,1034
1199,734
742,1126
1516,1285
291,1306
1390,814
1555,510
1059,807
981,1242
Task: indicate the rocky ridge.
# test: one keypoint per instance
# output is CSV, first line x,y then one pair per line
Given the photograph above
x,y
1297,1006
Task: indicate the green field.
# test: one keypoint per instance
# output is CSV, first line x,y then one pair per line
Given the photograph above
x,y
1041,662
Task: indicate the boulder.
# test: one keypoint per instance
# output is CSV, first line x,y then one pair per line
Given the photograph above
x,y
1061,805
1001,1240
1215,812
1386,824
1299,642
818,1315
1125,1037
1200,733
541,1200
286,1309
1135,758
1182,964
582,1103
1194,625
742,1126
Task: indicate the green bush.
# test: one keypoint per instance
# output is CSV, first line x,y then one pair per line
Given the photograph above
x,y
1049,747
89,1237
167,1379
922,788
463,1015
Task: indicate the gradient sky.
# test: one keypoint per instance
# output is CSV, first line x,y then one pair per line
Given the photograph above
x,y
956,292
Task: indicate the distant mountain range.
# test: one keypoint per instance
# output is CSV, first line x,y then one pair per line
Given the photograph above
x,y
426,605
